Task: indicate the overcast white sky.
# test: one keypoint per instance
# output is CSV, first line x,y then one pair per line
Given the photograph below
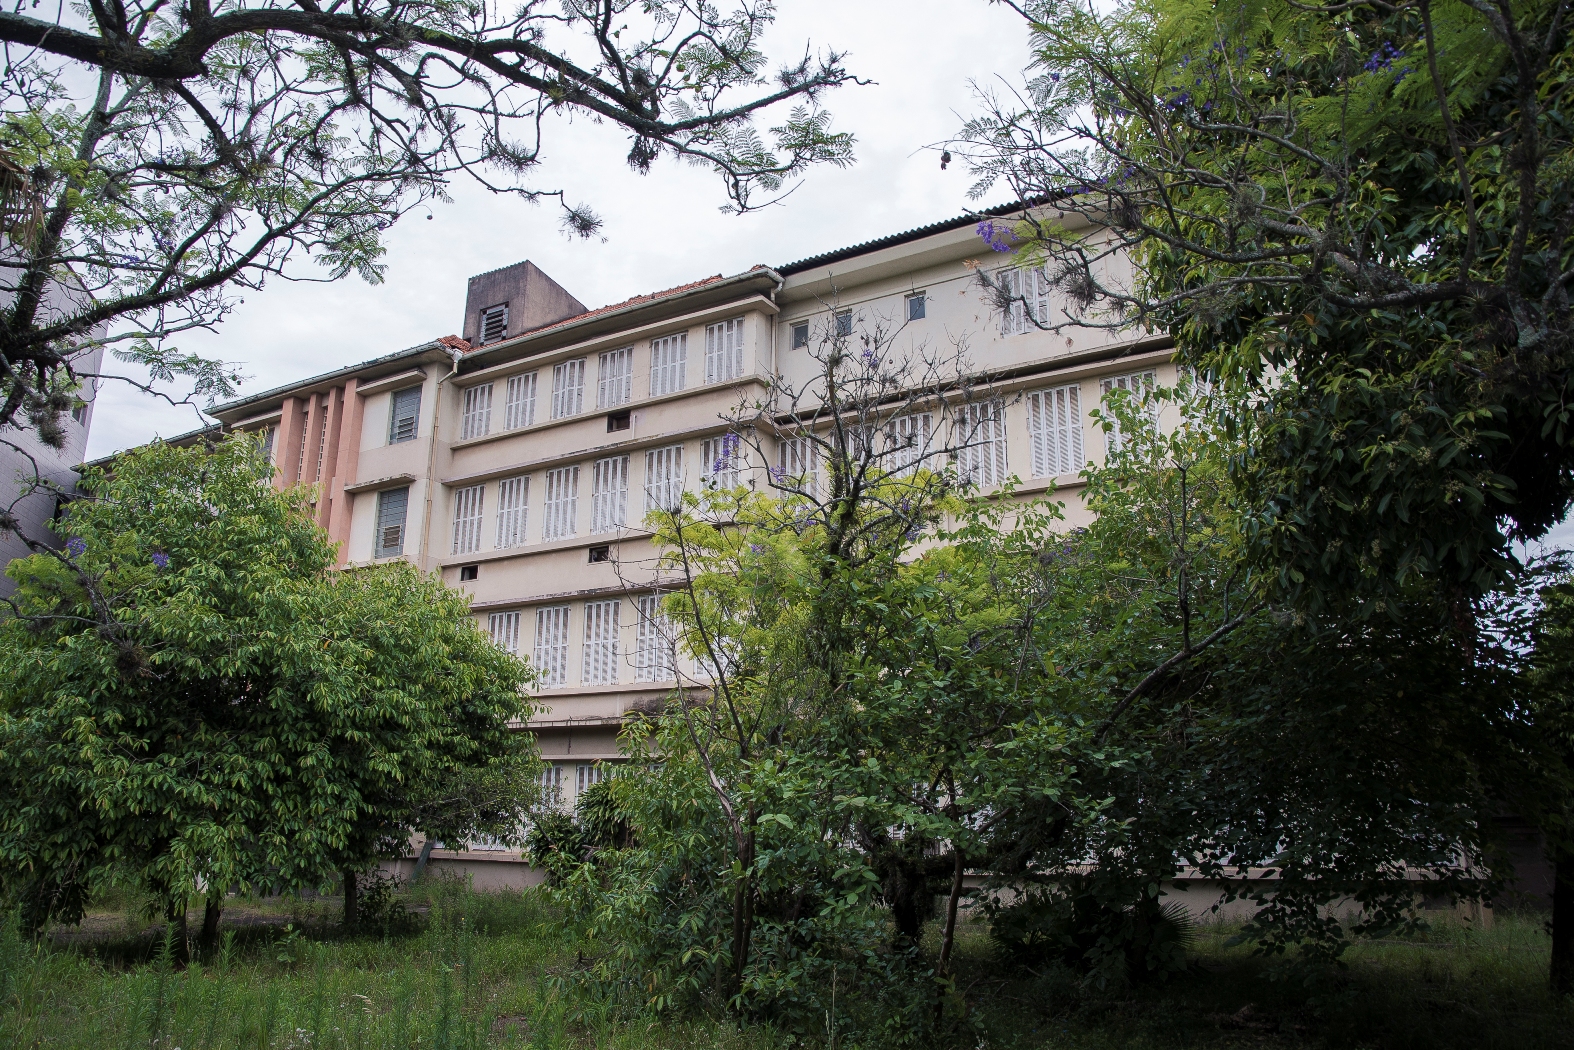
x,y
662,229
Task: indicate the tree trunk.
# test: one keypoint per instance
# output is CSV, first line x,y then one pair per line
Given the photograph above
x,y
950,915
1563,921
420,862
351,909
743,912
208,945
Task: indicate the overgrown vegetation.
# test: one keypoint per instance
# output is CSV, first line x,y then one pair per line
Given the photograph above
x,y
496,971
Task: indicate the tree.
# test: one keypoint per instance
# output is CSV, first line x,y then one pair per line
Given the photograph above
x,y
192,699
1360,210
161,160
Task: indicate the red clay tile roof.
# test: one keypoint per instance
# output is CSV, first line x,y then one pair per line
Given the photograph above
x,y
453,342
638,299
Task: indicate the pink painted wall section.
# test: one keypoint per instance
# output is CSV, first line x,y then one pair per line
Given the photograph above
x,y
287,443
346,463
333,404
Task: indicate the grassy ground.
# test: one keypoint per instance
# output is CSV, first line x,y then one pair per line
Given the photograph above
x,y
490,971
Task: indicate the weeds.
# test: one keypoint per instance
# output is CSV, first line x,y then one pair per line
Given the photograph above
x,y
495,971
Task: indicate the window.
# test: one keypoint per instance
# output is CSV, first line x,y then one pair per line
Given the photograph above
x,y
467,519
600,554
654,659
391,507
79,413
590,774
551,655
615,378
981,435
265,438
668,358
1029,292
915,306
468,573
561,516
721,462
513,495
609,494
322,440
909,438
552,785
503,629
798,463
724,351
617,421
476,420
600,654
404,421
520,410
306,419
1054,425
568,388
494,324
800,335
663,478
844,322
1139,385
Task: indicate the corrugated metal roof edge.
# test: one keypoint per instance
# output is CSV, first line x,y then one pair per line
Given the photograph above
x,y
624,308
905,236
414,351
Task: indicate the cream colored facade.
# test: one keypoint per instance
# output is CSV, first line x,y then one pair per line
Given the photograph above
x,y
517,500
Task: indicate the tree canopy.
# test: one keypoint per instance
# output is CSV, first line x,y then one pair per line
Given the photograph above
x,y
1363,212
157,160
190,696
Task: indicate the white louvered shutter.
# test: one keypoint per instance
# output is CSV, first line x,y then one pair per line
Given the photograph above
x,y
1054,423
981,441
392,506
520,409
513,508
663,478
551,652
404,421
609,494
476,420
560,514
467,519
654,659
503,628
615,378
668,361
721,462
910,437
568,388
1139,385
600,652
724,351
798,462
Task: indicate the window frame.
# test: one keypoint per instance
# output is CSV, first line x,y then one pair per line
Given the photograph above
x,y
919,299
599,647
669,361
381,523
562,511
519,400
549,654
613,390
475,416
609,494
469,509
394,428
568,384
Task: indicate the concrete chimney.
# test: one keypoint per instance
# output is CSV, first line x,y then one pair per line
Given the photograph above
x,y
515,299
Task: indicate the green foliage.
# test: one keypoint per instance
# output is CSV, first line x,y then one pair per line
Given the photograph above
x,y
1358,212
192,698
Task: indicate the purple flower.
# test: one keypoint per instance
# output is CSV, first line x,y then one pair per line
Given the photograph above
x,y
160,560
997,237
1383,59
757,548
77,546
1055,77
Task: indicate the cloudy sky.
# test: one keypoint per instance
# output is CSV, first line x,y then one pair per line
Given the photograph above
x,y
661,230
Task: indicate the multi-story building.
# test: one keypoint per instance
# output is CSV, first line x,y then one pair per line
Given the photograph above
x,y
36,476
520,460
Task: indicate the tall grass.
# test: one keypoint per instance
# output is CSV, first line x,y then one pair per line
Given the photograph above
x,y
496,970
487,971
